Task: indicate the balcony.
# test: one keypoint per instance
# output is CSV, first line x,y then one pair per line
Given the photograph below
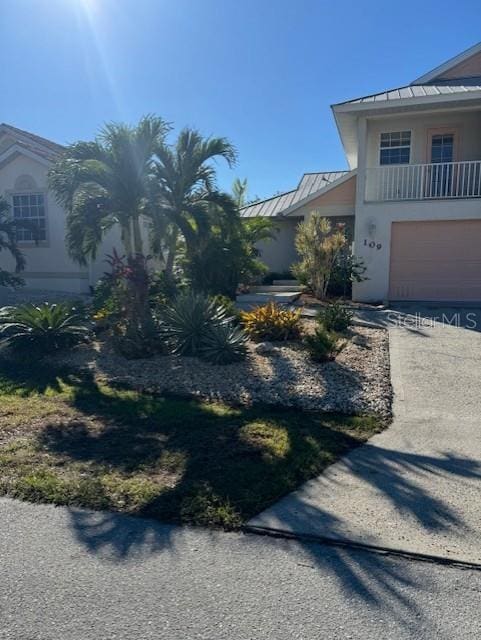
x,y
444,180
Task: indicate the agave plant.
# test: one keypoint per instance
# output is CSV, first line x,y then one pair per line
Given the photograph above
x,y
223,344
43,328
187,321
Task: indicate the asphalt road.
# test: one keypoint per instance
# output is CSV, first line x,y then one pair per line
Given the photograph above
x,y
75,575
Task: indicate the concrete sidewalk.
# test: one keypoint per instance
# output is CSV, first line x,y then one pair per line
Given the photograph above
x,y
417,486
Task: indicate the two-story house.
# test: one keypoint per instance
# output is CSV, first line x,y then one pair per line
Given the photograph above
x,y
411,200
413,191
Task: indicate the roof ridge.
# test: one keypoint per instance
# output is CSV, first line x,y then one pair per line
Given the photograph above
x,y
317,173
278,195
33,136
446,81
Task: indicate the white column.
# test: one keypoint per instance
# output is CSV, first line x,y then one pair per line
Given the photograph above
x,y
360,195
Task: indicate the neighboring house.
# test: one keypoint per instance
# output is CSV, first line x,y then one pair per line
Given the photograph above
x,y
24,163
415,159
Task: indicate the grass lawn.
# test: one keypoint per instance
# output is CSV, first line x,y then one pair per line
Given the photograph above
x,y
74,441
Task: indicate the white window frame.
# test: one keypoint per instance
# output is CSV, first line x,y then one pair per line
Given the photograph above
x,y
32,192
400,146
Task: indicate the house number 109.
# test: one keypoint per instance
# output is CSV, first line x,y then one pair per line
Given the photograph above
x,y
372,245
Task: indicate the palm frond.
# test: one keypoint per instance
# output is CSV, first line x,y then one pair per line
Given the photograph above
x,y
107,181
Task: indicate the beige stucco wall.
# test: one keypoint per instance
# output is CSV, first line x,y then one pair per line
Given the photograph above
x,y
467,124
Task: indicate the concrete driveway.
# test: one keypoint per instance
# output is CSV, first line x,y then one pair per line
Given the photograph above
x,y
417,486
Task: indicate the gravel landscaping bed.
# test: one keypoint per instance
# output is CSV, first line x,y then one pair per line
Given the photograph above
x,y
358,381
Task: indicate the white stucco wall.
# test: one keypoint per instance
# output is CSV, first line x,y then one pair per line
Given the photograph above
x,y
48,265
373,227
374,219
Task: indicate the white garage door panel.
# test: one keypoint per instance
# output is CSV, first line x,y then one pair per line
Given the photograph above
x,y
438,260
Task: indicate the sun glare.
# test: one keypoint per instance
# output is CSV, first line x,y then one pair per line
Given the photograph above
x,y
92,22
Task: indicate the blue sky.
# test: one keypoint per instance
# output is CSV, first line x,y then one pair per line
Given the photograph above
x,y
261,72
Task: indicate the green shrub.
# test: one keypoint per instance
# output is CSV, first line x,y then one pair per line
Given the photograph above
x,y
228,304
223,344
321,345
162,287
335,317
271,322
318,244
346,270
194,325
44,328
187,320
102,292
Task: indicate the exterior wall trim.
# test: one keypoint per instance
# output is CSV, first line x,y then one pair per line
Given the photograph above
x,y
72,275
18,150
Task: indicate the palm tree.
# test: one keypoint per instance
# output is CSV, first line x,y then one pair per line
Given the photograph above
x,y
106,182
239,192
187,192
8,242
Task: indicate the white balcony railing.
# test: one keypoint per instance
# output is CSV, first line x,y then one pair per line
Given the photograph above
x,y
424,181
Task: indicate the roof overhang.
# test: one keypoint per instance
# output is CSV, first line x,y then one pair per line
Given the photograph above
x,y
319,193
347,114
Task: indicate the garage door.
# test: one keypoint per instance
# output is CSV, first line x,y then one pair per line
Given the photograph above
x,y
438,261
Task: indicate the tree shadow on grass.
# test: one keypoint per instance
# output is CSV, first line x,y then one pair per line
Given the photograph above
x,y
28,376
223,472
240,459
213,465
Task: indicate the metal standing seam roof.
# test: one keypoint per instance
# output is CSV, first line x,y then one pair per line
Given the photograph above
x,y
309,184
444,87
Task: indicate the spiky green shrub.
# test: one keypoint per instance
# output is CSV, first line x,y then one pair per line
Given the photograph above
x,y
335,317
42,328
195,325
229,306
223,344
187,320
321,345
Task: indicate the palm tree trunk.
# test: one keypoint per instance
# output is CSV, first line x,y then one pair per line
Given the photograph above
x,y
136,235
126,239
171,251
